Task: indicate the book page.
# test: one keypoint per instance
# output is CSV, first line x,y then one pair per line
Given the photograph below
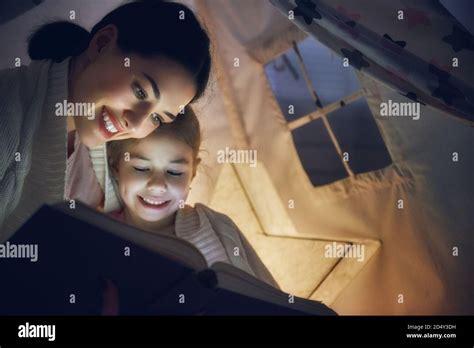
x,y
233,279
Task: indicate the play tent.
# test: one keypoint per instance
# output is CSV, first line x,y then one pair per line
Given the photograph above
x,y
394,238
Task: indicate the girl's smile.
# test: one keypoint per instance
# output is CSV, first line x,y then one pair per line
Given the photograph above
x,y
155,178
153,204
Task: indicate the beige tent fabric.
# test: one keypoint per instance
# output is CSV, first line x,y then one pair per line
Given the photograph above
x,y
414,271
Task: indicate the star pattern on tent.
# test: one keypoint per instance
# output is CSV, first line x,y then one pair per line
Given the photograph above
x,y
440,74
416,17
448,93
349,26
391,44
402,44
412,96
307,10
459,39
356,59
233,186
445,90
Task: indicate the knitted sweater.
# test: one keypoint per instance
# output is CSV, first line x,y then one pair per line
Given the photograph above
x,y
33,140
205,220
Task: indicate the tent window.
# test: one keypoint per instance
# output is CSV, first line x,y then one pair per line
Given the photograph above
x,y
333,129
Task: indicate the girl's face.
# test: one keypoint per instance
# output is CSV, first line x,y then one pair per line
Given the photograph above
x,y
132,94
154,177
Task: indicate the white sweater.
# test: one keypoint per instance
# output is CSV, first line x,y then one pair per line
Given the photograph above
x,y
200,224
33,149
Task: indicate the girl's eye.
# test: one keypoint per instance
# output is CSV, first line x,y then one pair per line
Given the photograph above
x,y
174,173
139,92
138,169
156,119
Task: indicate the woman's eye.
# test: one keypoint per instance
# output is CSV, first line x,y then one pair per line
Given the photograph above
x,y
139,92
174,173
139,169
156,119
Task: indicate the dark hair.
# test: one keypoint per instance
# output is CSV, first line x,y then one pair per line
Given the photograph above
x,y
148,28
185,128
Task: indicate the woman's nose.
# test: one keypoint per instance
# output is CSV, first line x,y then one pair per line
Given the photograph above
x,y
137,115
133,120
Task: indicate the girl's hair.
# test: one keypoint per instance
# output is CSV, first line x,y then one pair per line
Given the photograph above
x,y
147,28
185,128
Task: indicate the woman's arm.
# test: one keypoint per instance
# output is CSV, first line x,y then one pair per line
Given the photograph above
x,y
21,96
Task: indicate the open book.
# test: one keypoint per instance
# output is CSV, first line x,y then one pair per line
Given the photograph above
x,y
64,261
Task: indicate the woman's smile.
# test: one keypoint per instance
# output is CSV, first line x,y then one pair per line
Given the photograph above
x,y
108,123
121,112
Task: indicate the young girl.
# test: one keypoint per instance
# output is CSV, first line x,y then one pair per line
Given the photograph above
x,y
137,67
153,177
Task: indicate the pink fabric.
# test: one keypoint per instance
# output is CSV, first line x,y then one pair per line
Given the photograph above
x,y
118,215
81,182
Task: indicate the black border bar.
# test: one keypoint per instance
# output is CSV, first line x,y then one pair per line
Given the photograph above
x,y
262,330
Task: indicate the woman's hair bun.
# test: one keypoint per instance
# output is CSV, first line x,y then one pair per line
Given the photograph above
x,y
57,41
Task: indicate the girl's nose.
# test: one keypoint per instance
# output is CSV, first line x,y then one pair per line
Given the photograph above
x,y
157,184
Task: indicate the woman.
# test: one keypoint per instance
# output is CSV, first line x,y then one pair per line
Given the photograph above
x,y
139,66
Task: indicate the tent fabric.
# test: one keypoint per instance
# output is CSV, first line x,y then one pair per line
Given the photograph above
x,y
412,54
417,269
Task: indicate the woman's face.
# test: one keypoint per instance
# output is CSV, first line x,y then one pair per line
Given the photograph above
x,y
154,177
131,94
